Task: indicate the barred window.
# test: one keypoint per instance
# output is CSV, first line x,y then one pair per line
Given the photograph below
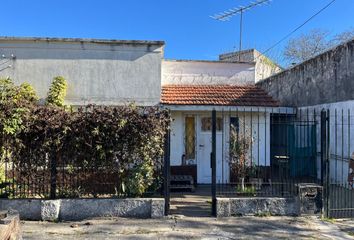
x,y
207,124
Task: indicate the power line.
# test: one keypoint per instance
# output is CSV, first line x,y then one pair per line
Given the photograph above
x,y
292,32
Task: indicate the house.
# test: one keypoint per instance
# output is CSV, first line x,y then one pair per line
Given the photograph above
x,y
191,90
115,72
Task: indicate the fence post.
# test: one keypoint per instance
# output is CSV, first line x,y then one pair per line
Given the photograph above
x,y
328,190
213,162
325,159
167,172
53,175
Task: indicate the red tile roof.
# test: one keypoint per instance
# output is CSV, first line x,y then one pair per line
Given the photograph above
x,y
226,95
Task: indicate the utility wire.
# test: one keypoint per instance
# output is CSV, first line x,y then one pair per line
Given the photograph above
x,y
295,30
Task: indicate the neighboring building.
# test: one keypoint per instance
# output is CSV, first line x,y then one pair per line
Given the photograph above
x,y
109,72
264,66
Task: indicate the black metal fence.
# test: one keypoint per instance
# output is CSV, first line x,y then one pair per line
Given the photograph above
x,y
339,167
66,179
94,152
268,152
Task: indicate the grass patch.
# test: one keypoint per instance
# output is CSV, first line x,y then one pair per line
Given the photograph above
x,y
263,214
329,220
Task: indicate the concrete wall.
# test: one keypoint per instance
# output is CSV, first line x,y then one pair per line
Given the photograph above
x,y
327,78
264,67
227,207
97,71
79,209
206,72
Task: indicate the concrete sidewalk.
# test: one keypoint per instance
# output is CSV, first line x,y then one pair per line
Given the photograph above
x,y
179,227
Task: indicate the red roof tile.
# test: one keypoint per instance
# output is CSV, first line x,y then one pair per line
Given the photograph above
x,y
227,95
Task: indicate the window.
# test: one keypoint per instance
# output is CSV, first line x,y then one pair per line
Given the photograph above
x,y
234,124
190,138
206,124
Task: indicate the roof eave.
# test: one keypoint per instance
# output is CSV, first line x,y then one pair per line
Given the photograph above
x,y
80,40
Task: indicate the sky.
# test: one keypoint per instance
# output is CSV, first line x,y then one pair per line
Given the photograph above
x,y
185,25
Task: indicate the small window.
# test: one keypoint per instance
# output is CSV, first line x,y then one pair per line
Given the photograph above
x,y
190,138
207,124
234,124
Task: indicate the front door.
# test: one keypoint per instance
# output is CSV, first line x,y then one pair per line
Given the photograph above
x,y
204,150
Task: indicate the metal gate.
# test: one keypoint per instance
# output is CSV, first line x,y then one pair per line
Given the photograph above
x,y
307,146
338,150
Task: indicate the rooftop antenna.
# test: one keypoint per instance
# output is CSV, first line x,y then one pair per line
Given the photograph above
x,y
228,14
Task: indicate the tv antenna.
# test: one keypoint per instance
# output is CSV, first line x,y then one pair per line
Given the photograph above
x,y
228,14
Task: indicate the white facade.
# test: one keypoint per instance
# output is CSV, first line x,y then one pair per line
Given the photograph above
x,y
206,72
103,72
264,66
341,141
259,131
213,73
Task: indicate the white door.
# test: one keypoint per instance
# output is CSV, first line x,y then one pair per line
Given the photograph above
x,y
204,150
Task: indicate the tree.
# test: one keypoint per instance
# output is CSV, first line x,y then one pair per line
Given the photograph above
x,y
306,45
313,43
343,37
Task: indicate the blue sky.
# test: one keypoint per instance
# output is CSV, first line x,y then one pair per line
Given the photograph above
x,y
184,25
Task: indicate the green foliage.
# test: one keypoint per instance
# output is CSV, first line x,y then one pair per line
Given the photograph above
x,y
263,214
330,220
251,190
140,177
104,143
26,91
15,102
57,92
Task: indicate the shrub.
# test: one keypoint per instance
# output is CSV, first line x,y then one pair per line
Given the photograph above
x,y
84,149
14,105
57,92
101,142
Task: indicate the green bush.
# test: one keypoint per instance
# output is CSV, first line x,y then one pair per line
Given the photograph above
x,y
57,92
102,142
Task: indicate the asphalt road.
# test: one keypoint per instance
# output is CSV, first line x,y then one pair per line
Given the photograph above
x,y
180,227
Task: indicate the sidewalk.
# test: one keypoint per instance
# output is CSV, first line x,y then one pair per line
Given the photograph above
x,y
178,227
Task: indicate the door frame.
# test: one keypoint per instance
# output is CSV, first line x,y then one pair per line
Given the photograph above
x,y
221,164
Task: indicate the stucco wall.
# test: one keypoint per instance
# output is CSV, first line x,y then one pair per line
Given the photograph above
x,y
206,72
326,78
97,72
264,67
